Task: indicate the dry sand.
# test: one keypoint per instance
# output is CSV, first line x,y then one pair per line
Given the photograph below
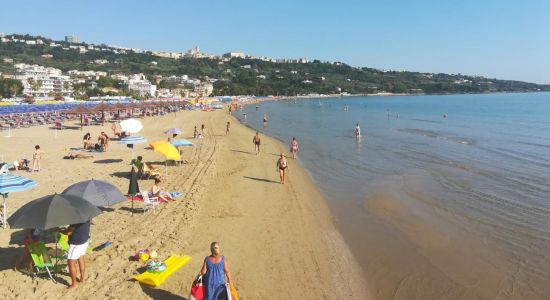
x,y
279,240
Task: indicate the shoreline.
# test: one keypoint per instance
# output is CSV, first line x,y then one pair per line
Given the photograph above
x,y
276,237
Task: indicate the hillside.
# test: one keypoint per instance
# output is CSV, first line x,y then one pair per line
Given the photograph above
x,y
253,76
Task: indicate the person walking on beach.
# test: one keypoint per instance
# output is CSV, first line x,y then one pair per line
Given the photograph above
x,y
215,272
203,127
79,235
282,167
36,159
294,147
256,140
357,132
227,127
195,132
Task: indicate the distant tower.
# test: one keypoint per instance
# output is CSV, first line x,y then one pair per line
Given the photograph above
x,y
73,39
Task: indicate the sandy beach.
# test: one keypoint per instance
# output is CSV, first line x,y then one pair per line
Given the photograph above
x,y
279,240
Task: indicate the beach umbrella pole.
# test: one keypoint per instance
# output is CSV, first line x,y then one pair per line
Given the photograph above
x,y
4,212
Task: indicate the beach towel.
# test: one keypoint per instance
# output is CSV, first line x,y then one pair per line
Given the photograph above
x,y
173,196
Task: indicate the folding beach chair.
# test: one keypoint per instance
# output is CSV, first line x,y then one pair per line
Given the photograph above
x,y
150,202
41,260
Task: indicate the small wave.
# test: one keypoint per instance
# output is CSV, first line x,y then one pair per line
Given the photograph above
x,y
427,121
438,135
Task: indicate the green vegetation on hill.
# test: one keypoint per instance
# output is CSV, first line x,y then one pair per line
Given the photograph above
x,y
257,77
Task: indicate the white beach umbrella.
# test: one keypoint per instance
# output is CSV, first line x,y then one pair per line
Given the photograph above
x,y
131,126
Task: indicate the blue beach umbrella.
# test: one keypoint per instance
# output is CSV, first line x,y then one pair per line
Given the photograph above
x,y
173,131
131,140
181,142
12,183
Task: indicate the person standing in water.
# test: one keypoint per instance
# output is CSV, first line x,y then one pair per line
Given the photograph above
x,y
282,167
256,141
294,147
357,131
265,120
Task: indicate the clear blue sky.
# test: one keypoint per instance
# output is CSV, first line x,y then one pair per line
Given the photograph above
x,y
502,39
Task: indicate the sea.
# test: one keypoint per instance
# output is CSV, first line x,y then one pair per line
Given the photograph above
x,y
442,197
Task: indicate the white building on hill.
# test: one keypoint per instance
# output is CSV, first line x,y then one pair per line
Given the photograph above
x,y
41,81
142,86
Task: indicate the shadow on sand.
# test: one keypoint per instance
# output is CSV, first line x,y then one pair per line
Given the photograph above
x,y
108,161
240,151
158,294
261,179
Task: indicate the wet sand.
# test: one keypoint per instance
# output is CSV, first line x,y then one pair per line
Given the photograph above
x,y
279,240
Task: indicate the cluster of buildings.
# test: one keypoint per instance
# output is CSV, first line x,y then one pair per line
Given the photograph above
x,y
39,81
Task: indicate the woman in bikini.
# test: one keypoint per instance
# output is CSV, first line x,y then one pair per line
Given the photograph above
x,y
282,167
87,141
294,147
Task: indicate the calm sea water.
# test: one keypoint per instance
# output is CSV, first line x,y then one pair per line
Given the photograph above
x,y
432,206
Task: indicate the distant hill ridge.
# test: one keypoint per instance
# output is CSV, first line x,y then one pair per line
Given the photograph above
x,y
242,76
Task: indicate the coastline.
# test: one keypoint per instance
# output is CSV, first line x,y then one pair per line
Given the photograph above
x,y
279,240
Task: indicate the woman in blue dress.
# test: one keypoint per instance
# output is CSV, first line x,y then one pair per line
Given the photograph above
x,y
215,272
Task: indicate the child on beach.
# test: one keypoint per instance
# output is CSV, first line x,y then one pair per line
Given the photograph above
x,y
36,159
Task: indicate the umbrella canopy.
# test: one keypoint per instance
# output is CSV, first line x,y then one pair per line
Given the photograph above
x,y
13,183
120,106
103,107
131,126
53,211
173,131
97,192
79,110
181,142
132,140
166,149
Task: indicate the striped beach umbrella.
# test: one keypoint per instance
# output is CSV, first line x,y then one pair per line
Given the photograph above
x,y
132,140
12,183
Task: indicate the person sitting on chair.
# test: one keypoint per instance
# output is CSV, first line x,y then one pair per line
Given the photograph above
x,y
157,191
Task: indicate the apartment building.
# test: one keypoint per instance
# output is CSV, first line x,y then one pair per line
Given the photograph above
x,y
41,81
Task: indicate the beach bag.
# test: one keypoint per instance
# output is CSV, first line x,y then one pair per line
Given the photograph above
x,y
197,289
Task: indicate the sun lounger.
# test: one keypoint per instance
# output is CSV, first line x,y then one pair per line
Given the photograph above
x,y
173,263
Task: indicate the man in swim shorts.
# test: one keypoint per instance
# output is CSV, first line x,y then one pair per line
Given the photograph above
x,y
79,235
256,141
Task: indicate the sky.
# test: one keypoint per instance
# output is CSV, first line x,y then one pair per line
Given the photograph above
x,y
497,39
